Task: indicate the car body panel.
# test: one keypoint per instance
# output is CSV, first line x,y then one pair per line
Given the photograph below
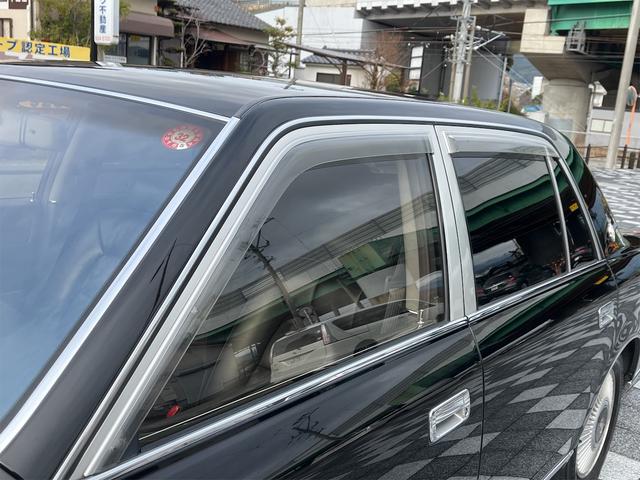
x,y
331,434
544,358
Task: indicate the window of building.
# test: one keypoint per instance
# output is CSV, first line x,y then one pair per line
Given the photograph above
x,y
416,62
6,27
601,125
138,50
135,48
512,215
349,257
331,78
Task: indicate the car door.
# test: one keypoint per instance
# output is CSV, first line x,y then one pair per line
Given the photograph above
x,y
539,284
340,227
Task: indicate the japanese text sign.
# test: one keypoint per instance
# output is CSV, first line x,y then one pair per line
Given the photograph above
x,y
106,22
12,48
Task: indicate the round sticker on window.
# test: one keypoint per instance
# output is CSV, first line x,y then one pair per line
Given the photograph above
x,y
182,137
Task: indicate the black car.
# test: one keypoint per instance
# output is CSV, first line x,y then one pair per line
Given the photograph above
x,y
220,277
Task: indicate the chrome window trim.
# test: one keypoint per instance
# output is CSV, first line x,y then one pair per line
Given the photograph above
x,y
532,291
73,346
459,217
563,223
260,151
181,322
114,94
449,233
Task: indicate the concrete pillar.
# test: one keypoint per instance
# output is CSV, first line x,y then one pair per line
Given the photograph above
x,y
154,51
566,105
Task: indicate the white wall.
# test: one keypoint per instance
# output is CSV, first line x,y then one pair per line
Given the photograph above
x,y
143,6
20,20
603,120
358,77
331,27
486,72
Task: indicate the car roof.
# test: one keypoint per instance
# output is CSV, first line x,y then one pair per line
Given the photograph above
x,y
220,93
227,94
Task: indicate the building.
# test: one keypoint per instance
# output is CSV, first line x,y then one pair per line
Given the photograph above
x,y
15,18
140,30
140,33
601,124
324,26
217,35
336,25
318,68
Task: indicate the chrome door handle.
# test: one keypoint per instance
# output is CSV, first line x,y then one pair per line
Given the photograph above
x,y
448,415
606,314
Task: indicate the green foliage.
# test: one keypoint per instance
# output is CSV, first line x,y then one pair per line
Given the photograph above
x,y
475,101
392,82
67,21
279,35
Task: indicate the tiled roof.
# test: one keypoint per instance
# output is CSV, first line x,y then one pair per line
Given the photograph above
x,y
224,12
320,60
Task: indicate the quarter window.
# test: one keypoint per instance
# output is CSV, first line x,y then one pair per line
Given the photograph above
x,y
511,210
350,257
607,232
581,246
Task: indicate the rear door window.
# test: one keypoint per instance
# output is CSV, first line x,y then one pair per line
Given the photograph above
x,y
511,210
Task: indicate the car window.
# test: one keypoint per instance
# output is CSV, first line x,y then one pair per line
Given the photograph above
x,y
607,231
350,257
581,248
81,177
511,211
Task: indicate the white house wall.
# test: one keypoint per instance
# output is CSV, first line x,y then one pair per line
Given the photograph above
x,y
331,27
309,72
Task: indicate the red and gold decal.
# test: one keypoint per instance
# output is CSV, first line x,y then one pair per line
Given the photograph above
x,y
182,137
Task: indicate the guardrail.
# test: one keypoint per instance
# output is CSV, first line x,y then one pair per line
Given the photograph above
x,y
627,157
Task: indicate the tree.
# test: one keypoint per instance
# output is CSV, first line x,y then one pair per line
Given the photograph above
x,y
279,35
188,25
388,48
67,21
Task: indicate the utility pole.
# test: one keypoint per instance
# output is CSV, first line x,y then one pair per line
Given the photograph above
x,y
93,50
301,4
625,79
463,41
502,77
467,72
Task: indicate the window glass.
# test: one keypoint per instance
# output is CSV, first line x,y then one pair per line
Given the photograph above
x,y
350,257
332,78
5,27
120,49
607,231
81,176
581,246
138,49
512,217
